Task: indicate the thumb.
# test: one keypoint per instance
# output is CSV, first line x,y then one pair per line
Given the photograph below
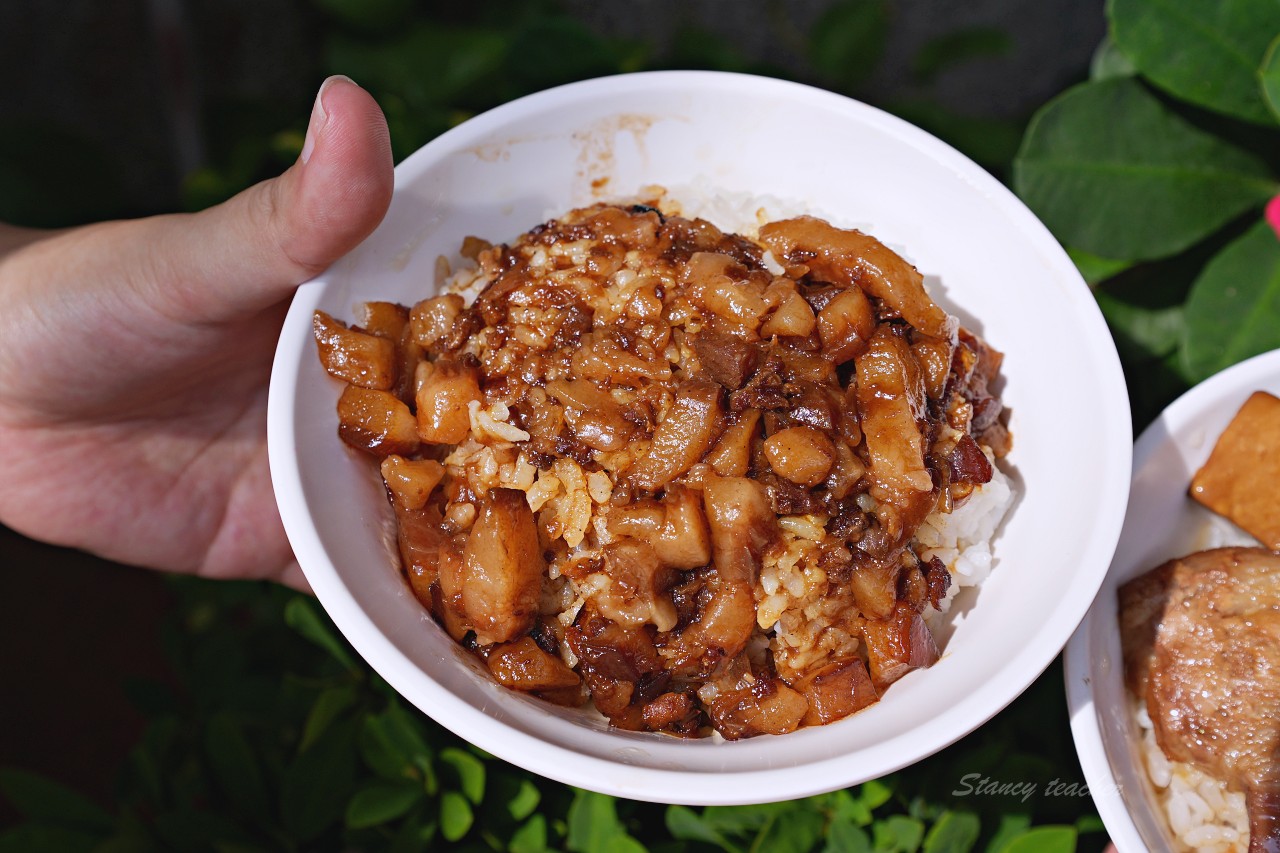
x,y
251,251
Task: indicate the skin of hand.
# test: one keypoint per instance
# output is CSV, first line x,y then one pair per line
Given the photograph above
x,y
136,357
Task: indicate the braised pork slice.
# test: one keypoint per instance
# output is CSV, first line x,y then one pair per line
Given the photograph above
x,y
1201,640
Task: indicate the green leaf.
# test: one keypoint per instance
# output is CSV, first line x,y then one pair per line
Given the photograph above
x,y
954,832
1011,826
846,807
530,837
848,39
1269,75
1088,823
843,836
429,63
415,834
231,760
898,834
392,745
958,47
685,824
1150,331
795,830
1112,171
1207,53
42,799
382,802
1109,61
300,615
317,785
553,49
593,825
328,707
1233,311
741,820
875,793
525,800
1043,839
470,772
1095,269
456,816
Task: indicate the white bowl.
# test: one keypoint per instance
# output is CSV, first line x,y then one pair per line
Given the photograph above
x,y
1162,523
985,257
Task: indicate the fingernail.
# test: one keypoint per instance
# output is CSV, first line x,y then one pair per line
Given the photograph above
x,y
319,115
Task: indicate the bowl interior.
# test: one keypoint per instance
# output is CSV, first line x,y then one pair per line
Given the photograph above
x,y
984,256
1161,523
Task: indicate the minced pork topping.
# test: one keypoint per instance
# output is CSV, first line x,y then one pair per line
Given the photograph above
x,y
672,471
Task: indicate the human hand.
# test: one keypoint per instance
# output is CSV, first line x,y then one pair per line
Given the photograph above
x,y
136,358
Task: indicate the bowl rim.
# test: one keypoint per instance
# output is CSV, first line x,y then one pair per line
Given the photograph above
x,y
1079,656
766,784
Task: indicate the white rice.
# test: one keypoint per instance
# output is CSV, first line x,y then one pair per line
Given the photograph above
x,y
1202,815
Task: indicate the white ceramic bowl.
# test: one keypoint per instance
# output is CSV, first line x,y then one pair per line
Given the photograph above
x,y
985,257
1162,523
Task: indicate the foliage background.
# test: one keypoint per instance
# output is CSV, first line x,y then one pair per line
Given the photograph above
x,y
251,726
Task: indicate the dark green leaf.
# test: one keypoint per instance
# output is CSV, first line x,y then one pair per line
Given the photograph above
x,y
328,707
300,615
391,743
958,47
367,16
855,810
42,799
38,838
1153,332
317,785
415,834
794,830
429,63
470,772
593,825
1111,171
456,816
553,49
1109,61
189,828
1043,839
234,767
382,802
531,837
1088,823
1094,269
1233,311
875,793
848,39
525,800
1011,826
741,820
898,834
1269,73
1205,53
954,832
843,836
685,824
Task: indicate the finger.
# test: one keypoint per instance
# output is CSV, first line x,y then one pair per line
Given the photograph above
x,y
251,251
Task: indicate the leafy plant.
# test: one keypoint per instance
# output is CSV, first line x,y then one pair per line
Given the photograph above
x,y
1154,174
278,738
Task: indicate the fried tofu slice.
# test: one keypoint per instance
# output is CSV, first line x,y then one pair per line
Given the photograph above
x,y
1241,480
